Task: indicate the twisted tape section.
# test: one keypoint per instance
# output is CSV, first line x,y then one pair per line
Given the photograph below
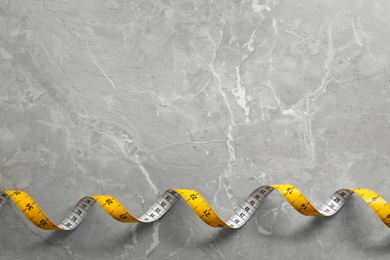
x,y
198,204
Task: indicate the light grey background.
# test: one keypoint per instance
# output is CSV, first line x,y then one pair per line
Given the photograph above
x,y
130,98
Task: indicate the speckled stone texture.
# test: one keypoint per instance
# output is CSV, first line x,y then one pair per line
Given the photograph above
x,y
130,98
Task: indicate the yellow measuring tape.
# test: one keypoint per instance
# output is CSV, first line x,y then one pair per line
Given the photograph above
x,y
198,204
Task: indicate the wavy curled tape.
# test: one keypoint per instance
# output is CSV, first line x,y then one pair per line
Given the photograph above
x,y
198,204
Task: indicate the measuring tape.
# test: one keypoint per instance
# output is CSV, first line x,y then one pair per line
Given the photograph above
x,y
198,204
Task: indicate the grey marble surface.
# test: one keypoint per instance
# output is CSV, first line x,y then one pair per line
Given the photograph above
x,y
130,98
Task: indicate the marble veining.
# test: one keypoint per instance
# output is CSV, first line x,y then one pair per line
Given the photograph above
x,y
131,98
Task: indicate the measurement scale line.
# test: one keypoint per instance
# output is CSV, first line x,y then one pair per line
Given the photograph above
x,y
30,208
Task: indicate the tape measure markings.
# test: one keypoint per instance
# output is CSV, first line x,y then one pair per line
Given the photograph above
x,y
197,203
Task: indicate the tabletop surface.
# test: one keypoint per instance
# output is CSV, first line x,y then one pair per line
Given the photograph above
x,y
131,98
